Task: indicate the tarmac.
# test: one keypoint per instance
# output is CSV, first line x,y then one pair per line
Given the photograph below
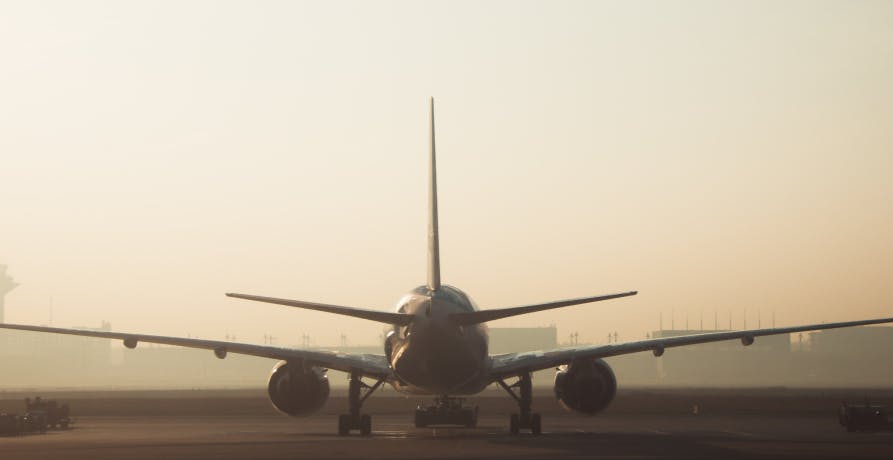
x,y
260,437
617,434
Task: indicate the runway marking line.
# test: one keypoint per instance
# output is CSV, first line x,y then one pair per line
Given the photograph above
x,y
737,433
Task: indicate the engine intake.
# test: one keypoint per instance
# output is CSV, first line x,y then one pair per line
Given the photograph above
x,y
295,391
586,386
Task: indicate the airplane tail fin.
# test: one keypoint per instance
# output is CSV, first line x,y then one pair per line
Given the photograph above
x,y
482,316
433,238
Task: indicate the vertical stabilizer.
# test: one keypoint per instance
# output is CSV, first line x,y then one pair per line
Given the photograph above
x,y
433,239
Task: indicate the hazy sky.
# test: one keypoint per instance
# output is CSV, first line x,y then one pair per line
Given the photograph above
x,y
715,156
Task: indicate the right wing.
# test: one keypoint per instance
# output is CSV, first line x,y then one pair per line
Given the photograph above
x,y
367,364
514,363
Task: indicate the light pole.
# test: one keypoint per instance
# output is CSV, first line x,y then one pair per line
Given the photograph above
x,y
6,285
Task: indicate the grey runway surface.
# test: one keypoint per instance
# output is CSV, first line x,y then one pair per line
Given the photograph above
x,y
623,436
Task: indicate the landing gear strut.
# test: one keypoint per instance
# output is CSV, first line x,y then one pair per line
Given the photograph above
x,y
526,420
354,420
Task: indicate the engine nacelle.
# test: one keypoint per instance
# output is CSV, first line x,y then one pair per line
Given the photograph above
x,y
586,386
296,391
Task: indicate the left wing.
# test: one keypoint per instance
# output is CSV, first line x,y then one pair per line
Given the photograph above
x,y
371,365
401,319
510,364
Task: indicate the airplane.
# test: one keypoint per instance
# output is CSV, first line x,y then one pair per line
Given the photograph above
x,y
438,345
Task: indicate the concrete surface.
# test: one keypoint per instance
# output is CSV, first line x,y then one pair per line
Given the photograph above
x,y
263,437
652,423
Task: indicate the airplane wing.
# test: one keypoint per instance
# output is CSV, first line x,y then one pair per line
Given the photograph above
x,y
507,365
371,365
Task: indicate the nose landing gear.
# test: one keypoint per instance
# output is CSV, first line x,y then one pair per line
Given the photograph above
x,y
354,420
526,420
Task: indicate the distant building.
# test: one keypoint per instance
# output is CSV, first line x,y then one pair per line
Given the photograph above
x,y
874,340
729,362
151,365
860,355
514,339
35,359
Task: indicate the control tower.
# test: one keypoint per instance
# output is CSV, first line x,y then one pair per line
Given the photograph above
x,y
6,285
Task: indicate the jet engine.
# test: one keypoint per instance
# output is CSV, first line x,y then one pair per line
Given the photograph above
x,y
586,386
297,391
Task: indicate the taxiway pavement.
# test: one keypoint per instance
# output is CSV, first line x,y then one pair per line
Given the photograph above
x,y
570,436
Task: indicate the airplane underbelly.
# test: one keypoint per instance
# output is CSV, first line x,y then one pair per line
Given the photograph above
x,y
448,367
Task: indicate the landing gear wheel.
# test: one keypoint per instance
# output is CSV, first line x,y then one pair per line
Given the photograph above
x,y
472,421
365,425
354,420
536,424
524,397
421,419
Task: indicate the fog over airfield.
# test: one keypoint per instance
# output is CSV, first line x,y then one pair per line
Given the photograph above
x,y
715,156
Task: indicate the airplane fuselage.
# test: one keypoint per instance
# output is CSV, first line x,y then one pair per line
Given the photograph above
x,y
433,354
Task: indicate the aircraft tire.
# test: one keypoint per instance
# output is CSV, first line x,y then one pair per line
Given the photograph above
x,y
420,419
514,424
343,425
365,425
536,424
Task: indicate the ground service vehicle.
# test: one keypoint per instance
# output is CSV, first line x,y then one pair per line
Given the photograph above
x,y
52,413
10,424
446,411
862,417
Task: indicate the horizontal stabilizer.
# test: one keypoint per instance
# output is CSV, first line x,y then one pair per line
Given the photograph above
x,y
401,319
476,317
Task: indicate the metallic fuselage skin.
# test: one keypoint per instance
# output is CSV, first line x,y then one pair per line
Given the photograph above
x,y
433,355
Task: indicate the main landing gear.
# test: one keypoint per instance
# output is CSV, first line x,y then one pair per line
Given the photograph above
x,y
354,420
526,420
